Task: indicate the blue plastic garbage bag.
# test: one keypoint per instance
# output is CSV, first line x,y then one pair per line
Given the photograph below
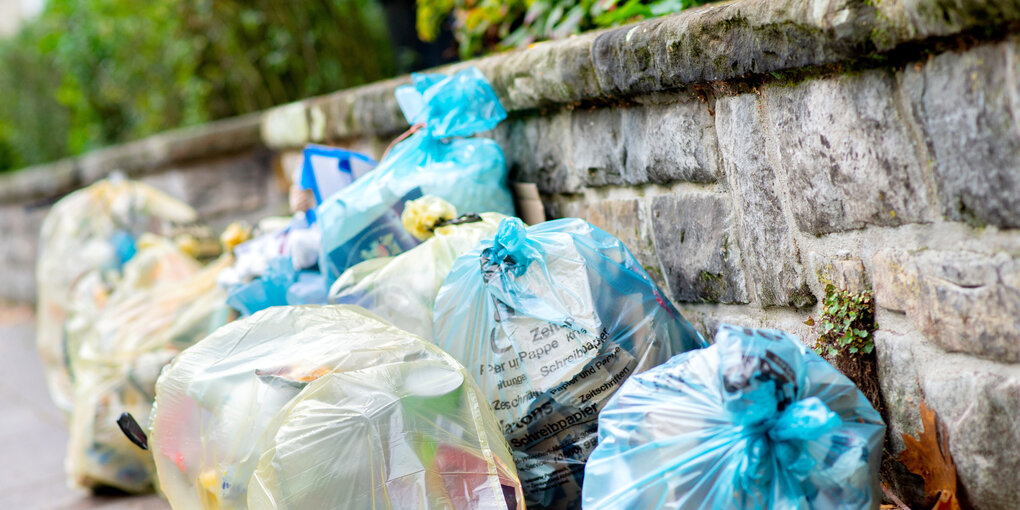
x,y
362,221
551,320
756,421
280,285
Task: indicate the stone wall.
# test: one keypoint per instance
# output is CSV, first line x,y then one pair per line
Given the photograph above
x,y
222,169
748,153
905,180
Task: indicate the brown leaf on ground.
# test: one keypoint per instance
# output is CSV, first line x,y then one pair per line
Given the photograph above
x,y
928,456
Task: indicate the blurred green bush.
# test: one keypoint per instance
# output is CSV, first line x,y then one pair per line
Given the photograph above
x,y
483,26
90,73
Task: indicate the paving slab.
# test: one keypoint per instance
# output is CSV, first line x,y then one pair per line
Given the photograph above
x,y
33,433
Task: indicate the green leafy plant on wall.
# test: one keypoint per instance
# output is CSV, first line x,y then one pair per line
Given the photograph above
x,y
847,323
482,26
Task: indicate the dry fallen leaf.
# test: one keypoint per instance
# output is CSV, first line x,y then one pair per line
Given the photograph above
x,y
928,456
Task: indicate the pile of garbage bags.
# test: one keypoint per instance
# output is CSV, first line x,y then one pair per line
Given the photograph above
x,y
402,340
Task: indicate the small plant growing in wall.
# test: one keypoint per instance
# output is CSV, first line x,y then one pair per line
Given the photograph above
x,y
846,324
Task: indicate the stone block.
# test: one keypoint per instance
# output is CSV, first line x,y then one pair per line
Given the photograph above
x,y
846,274
657,143
40,181
19,228
564,206
551,72
970,105
769,251
920,19
599,144
366,110
670,142
707,318
537,150
626,219
286,126
962,301
895,280
694,240
848,153
978,402
729,40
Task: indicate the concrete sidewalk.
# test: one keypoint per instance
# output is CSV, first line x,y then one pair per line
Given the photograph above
x,y
33,433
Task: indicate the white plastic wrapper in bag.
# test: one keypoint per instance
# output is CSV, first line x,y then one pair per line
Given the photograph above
x,y
325,407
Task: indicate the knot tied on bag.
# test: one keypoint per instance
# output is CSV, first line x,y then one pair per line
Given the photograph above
x,y
458,105
802,422
782,441
511,250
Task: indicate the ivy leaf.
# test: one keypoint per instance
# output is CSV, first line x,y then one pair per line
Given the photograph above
x,y
810,321
868,348
928,456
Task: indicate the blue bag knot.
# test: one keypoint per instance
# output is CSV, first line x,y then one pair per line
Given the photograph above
x,y
789,435
511,250
459,105
803,422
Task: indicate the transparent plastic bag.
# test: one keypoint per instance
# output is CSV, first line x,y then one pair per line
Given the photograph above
x,y
403,289
164,303
755,421
362,221
551,320
85,240
325,407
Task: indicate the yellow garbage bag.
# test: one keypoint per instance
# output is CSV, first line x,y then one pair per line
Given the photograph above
x,y
325,407
164,303
85,240
402,289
